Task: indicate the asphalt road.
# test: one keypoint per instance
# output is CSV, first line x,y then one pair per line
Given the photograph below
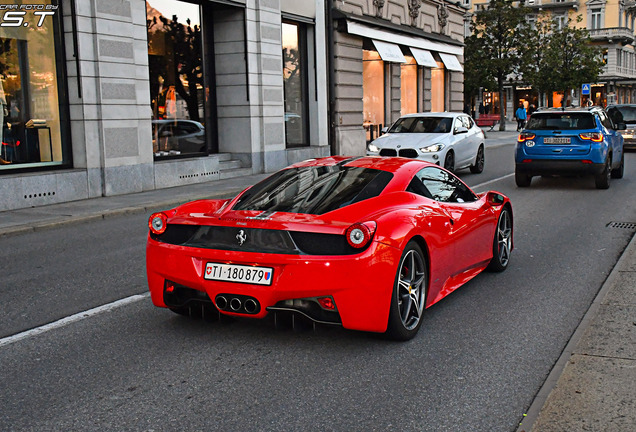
x,y
479,359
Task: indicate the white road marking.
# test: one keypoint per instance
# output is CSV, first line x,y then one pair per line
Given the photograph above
x,y
71,319
491,181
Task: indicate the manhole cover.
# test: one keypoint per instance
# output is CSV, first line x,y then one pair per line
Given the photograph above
x,y
622,225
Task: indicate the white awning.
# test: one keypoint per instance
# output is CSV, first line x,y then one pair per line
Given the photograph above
x,y
402,39
451,62
389,52
423,57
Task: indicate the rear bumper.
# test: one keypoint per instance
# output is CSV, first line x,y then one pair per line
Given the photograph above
x,y
549,167
361,285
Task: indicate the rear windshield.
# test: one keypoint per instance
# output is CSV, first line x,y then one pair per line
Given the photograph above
x,y
561,121
314,190
624,114
422,125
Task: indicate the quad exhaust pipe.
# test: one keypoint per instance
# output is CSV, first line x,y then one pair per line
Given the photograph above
x,y
250,306
237,304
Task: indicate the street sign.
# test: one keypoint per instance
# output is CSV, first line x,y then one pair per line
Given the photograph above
x,y
585,89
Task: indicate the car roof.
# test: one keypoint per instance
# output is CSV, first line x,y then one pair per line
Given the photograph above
x,y
162,121
568,109
390,164
434,114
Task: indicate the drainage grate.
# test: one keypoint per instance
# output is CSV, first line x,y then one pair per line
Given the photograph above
x,y
622,225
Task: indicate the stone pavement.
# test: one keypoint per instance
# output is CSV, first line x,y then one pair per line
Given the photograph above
x,y
592,387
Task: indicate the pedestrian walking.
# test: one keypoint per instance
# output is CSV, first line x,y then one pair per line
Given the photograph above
x,y
521,115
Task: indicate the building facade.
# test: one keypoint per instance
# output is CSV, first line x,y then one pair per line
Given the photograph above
x,y
611,27
392,58
123,96
102,98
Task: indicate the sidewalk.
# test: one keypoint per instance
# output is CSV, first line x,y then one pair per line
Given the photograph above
x,y
592,387
19,221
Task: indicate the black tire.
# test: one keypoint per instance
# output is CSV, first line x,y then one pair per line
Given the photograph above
x,y
602,180
618,172
480,160
522,180
449,161
502,242
409,294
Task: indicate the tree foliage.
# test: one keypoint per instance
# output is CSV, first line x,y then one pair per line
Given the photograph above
x,y
559,59
493,51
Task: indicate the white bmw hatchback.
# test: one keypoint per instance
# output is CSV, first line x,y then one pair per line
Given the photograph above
x,y
451,140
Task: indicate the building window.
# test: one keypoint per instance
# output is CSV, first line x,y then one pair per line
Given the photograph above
x,y
372,93
295,84
596,19
176,78
438,88
408,86
32,123
561,21
619,57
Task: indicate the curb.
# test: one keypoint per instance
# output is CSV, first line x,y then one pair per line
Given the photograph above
x,y
534,411
105,214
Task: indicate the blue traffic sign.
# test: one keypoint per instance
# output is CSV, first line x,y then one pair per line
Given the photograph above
x,y
585,89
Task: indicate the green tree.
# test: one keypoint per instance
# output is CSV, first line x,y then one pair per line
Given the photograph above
x,y
560,59
534,66
572,59
494,48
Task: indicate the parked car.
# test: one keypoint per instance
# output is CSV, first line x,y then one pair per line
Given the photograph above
x,y
364,243
451,140
178,136
570,141
625,113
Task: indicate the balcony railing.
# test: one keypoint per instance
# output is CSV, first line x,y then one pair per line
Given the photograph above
x,y
618,72
612,34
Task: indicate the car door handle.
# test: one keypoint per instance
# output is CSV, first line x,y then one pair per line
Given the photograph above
x,y
452,222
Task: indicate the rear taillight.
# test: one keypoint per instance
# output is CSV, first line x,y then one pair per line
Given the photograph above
x,y
594,136
359,234
157,223
525,136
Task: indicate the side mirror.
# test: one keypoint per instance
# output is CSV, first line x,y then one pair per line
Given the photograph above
x,y
621,126
385,129
494,198
460,130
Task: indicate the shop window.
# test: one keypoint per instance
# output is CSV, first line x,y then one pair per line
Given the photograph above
x,y
176,78
295,84
372,93
32,122
438,88
408,89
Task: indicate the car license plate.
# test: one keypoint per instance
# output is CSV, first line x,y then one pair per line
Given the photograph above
x,y
549,140
239,273
628,136
559,140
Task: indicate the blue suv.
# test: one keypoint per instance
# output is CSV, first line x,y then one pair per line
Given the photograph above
x,y
570,141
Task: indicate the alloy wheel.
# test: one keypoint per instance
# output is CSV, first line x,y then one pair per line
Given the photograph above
x,y
504,238
411,289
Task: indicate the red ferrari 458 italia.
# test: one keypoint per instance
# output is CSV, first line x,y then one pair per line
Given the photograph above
x,y
366,243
